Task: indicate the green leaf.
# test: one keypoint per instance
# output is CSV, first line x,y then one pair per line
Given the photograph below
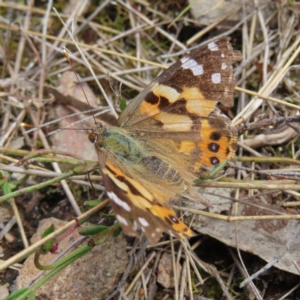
x,y
123,104
93,230
18,294
92,203
48,245
48,231
117,232
6,188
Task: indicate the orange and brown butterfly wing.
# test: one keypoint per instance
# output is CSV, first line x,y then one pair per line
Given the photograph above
x,y
180,105
136,208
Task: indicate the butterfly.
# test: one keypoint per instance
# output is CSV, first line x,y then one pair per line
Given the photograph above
x,y
162,138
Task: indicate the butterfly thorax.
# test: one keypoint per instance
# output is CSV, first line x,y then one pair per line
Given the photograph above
x,y
117,141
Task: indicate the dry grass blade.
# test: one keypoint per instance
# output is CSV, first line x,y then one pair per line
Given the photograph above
x,y
149,259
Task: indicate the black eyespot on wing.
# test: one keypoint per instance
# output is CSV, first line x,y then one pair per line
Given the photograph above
x,y
173,219
213,147
215,136
214,160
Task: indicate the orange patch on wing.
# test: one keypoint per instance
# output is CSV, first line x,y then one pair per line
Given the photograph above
x,y
225,143
179,227
148,109
160,91
192,93
173,122
186,147
200,108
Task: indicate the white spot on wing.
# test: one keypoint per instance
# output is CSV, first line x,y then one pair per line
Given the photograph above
x,y
118,201
122,220
189,64
224,66
197,70
216,77
222,55
193,66
212,46
143,222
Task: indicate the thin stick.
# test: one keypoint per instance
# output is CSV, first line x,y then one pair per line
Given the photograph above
x,y
237,218
152,255
175,269
49,237
19,222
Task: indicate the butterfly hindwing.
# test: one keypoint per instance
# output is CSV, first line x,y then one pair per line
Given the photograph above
x,y
136,209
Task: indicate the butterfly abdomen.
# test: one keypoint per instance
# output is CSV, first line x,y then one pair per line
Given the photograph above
x,y
162,170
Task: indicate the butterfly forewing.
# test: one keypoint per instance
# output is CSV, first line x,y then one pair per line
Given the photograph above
x,y
204,75
180,105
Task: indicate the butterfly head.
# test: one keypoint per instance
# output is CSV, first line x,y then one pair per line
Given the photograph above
x,y
96,133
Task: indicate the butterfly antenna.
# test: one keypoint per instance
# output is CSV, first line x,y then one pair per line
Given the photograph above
x,y
110,104
66,54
